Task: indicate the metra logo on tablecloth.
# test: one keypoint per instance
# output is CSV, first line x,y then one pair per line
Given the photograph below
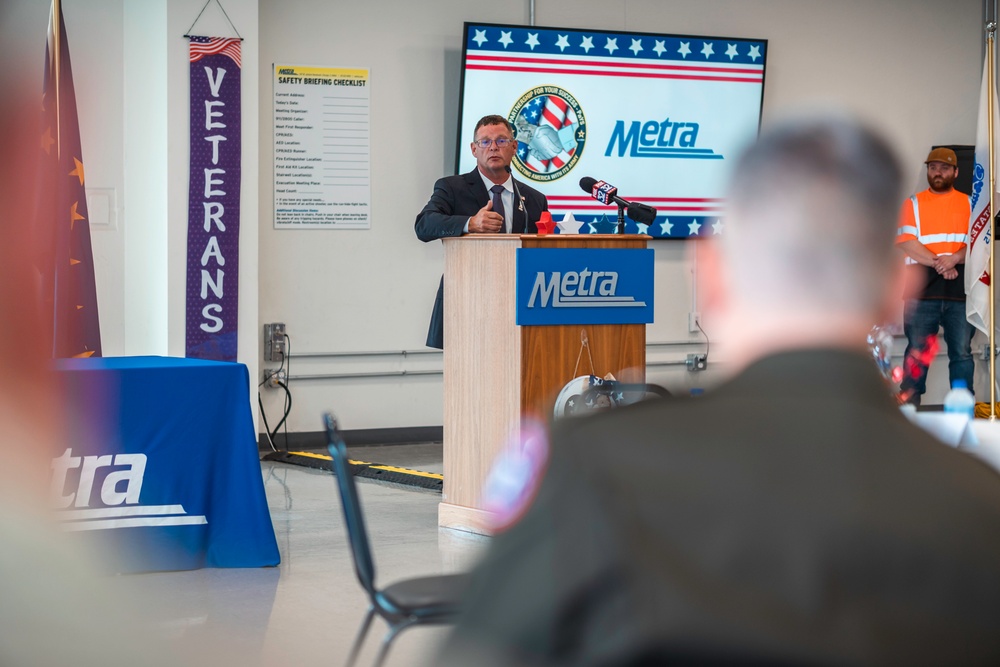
x,y
102,492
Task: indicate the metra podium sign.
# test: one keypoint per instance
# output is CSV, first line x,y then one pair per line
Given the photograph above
x,y
584,286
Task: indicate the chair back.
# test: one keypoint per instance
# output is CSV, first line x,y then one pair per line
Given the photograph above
x,y
353,517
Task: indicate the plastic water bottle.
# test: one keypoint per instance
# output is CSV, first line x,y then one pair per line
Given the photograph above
x,y
960,400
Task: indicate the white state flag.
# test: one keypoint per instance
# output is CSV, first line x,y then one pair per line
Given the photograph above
x,y
977,261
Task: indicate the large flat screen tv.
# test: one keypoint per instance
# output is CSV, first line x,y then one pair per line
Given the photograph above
x,y
658,116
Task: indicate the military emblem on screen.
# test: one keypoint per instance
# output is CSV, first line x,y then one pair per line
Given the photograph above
x,y
550,130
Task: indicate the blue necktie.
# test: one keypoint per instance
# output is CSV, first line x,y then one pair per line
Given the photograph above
x,y
497,190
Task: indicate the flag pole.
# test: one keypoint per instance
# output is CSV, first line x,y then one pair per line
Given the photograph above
x,y
56,59
991,29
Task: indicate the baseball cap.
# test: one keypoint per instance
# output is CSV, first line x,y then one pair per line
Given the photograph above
x,y
945,155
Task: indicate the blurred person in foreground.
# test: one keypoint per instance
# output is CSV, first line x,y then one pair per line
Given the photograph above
x,y
791,516
54,608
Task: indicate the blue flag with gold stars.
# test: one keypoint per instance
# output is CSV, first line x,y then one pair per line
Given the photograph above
x,y
66,261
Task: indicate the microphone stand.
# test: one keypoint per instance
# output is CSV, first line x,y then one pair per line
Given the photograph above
x,y
621,217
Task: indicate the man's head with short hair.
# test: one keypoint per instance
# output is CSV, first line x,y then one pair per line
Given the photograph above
x,y
809,228
493,160
493,119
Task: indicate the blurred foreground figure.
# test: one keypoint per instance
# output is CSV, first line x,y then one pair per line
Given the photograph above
x,y
791,516
54,609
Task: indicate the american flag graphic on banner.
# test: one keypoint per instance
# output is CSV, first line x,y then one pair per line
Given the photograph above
x,y
210,46
66,264
656,115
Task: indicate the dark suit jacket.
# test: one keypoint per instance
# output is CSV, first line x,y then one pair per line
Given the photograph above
x,y
454,201
792,516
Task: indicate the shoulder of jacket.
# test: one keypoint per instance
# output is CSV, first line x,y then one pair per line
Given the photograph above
x,y
450,182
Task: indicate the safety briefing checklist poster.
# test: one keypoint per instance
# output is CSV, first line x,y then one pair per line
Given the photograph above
x,y
322,148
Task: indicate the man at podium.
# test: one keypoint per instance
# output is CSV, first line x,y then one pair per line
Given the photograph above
x,y
487,200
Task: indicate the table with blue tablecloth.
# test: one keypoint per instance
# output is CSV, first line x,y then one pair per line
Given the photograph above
x,y
161,470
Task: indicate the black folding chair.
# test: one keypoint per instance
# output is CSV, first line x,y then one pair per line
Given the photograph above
x,y
419,601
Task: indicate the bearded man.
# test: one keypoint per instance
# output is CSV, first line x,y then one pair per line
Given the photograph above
x,y
932,231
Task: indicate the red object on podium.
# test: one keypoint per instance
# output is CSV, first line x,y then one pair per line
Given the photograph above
x,y
545,224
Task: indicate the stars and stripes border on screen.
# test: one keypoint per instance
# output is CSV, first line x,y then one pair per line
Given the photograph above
x,y
607,54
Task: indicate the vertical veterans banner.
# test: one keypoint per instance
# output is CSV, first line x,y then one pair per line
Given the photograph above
x,y
66,261
214,199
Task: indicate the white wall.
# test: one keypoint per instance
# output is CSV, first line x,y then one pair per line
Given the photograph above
x,y
97,74
911,67
146,130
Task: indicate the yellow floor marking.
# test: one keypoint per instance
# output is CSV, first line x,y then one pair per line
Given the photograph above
x,y
407,471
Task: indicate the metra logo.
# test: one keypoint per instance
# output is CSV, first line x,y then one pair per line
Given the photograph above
x,y
286,70
584,289
661,139
119,478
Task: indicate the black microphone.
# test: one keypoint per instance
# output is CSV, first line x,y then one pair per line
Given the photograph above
x,y
607,194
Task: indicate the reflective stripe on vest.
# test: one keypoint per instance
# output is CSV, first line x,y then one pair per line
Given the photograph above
x,y
926,239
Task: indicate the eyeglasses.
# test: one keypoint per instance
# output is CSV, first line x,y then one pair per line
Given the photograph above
x,y
501,142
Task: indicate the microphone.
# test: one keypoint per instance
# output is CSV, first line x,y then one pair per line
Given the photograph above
x,y
599,190
608,194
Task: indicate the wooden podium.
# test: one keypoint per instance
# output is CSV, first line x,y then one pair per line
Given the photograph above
x,y
496,373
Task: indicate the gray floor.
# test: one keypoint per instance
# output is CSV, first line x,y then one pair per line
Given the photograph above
x,y
306,611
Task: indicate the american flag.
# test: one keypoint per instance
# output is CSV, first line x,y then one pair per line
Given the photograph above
x,y
210,46
62,228
977,263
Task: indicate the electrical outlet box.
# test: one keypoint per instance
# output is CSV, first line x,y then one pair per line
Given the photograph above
x,y
697,362
693,320
273,377
274,341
